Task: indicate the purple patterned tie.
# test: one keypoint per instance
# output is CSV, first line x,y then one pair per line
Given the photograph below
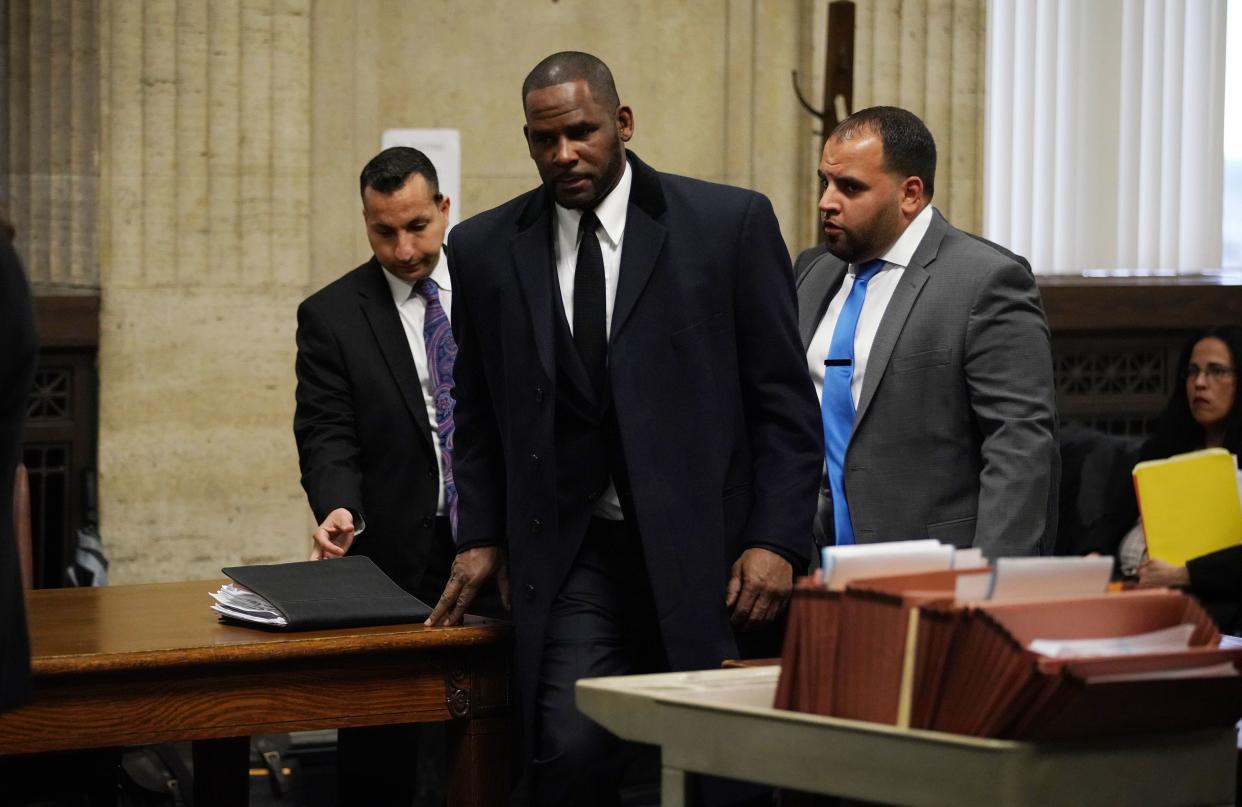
x,y
441,352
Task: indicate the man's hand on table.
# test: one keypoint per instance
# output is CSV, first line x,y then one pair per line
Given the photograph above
x,y
472,569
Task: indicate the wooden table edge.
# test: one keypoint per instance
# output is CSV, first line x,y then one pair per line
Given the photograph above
x,y
322,643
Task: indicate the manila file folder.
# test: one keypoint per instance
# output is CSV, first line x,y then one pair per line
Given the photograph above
x,y
1189,504
339,593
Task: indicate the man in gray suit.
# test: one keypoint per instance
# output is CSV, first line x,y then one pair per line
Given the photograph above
x,y
938,387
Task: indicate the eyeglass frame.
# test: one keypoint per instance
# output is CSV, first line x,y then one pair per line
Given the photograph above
x,y
1216,373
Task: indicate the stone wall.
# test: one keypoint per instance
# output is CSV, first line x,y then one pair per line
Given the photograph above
x,y
196,162
205,197
928,56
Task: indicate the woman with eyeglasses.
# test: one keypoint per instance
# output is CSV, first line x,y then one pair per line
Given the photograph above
x,y
1200,414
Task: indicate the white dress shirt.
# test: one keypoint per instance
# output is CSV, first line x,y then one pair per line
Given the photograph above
x,y
879,291
412,310
611,214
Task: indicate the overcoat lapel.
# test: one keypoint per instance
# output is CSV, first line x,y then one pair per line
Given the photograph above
x,y
533,262
644,238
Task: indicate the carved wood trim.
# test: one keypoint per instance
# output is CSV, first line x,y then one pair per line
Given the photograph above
x,y
68,320
1140,304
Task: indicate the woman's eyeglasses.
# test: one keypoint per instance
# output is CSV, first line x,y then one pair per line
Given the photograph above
x,y
1214,372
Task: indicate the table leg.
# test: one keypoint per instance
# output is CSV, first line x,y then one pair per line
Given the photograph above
x,y
672,787
222,772
478,760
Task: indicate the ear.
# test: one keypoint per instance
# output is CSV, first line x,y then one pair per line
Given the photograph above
x,y
625,123
444,206
912,201
526,139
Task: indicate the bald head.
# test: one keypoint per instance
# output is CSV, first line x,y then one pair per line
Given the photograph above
x,y
569,66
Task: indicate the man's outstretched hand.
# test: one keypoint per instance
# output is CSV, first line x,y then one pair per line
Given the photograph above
x,y
334,536
471,571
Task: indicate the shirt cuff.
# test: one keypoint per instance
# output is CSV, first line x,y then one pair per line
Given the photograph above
x,y
462,546
801,564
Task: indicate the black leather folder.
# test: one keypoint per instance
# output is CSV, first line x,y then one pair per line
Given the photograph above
x,y
345,592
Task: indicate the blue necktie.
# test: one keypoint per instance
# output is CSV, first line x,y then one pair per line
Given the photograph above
x,y
441,353
837,407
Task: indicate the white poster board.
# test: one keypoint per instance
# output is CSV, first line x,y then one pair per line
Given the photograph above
x,y
443,148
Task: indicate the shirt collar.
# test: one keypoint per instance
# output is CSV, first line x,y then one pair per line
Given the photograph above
x,y
403,290
610,211
902,250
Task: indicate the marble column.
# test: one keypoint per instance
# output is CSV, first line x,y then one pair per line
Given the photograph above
x,y
929,56
49,154
205,234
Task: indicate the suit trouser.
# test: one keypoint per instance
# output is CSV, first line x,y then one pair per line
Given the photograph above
x,y
376,764
602,622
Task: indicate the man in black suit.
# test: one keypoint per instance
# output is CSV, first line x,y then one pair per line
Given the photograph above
x,y
17,365
374,421
637,440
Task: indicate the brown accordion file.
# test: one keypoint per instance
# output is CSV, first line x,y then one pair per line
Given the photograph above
x,y
900,650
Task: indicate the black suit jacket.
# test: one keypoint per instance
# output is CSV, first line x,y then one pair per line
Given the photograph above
x,y
1216,579
363,434
717,420
17,363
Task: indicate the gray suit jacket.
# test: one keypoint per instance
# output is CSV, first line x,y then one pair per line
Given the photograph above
x,y
955,435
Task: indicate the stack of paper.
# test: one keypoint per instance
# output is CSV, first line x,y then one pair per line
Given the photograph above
x,y
1041,578
238,602
841,564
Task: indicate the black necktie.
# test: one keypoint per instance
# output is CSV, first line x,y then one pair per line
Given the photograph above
x,y
589,332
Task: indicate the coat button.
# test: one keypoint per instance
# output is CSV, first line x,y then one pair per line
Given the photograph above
x,y
536,525
530,591
538,394
428,522
534,460
431,473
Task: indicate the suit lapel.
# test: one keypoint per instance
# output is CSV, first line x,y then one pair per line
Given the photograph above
x,y
821,281
375,298
898,311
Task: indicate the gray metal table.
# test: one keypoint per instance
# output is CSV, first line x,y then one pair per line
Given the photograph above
x,y
721,722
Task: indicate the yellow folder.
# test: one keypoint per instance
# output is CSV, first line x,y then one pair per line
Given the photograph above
x,y
1189,504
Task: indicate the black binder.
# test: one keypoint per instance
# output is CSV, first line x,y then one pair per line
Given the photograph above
x,y
338,593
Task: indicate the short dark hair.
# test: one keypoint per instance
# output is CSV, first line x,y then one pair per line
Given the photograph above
x,y
388,171
909,149
572,65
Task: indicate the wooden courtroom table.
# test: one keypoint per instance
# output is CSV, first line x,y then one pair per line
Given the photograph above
x,y
132,665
